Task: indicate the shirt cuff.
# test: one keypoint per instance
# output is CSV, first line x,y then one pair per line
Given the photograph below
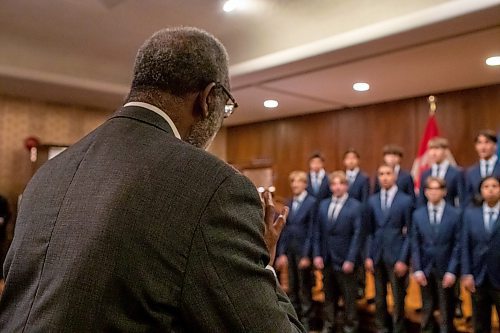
x,y
271,268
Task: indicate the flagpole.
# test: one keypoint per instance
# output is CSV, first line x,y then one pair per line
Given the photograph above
x,y
432,104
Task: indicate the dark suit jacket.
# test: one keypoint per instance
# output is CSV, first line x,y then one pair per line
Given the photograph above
x,y
340,240
473,178
404,183
360,188
133,230
297,235
389,231
433,251
324,188
454,187
480,249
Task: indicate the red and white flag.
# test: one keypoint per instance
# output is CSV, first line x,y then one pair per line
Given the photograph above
x,y
421,162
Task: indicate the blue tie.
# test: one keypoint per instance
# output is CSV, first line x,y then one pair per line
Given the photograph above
x,y
490,221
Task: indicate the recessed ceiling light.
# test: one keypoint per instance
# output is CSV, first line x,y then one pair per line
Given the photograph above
x,y
230,5
493,61
271,103
361,86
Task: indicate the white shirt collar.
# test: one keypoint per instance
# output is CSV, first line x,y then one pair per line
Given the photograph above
x,y
158,112
397,167
342,199
495,208
301,196
354,172
443,168
321,173
439,207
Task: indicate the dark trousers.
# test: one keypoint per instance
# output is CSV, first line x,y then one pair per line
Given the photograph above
x,y
384,274
482,301
300,283
434,296
338,284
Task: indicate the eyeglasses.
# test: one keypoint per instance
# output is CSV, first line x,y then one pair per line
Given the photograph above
x,y
231,104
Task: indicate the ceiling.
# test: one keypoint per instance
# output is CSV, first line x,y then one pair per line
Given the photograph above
x,y
304,53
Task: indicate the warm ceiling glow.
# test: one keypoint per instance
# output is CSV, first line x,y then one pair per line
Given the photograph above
x,y
493,61
271,103
361,86
229,6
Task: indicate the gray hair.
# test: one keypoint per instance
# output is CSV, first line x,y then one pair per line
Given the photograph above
x,y
180,61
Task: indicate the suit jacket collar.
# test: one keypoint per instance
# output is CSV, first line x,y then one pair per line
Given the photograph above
x,y
145,115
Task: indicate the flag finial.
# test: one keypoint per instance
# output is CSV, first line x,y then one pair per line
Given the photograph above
x,y
432,104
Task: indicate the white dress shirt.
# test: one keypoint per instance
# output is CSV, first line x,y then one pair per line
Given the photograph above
x,y
491,165
336,206
391,194
439,211
297,200
488,224
443,168
351,175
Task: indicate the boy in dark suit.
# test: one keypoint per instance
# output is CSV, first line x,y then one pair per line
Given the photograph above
x,y
389,221
488,164
435,245
359,189
481,254
392,155
336,250
359,183
317,179
294,246
441,168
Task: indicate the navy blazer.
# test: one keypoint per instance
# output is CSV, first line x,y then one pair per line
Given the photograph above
x,y
296,237
324,188
480,249
404,183
455,187
473,178
339,240
436,251
360,188
389,239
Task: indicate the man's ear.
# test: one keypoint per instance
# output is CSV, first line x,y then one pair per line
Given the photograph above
x,y
203,99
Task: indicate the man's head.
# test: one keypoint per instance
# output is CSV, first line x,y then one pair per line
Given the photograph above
x,y
486,144
351,159
435,189
490,190
386,176
437,148
182,71
316,162
338,183
392,154
298,182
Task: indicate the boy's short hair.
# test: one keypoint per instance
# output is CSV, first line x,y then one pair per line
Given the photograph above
x,y
316,154
351,151
440,181
393,149
301,175
438,142
340,175
490,135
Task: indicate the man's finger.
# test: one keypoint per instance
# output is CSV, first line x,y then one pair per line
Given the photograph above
x,y
269,207
281,220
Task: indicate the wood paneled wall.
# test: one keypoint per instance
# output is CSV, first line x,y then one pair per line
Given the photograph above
x,y
288,143
50,123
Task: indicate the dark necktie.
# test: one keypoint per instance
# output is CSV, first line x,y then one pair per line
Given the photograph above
x,y
486,168
335,205
490,221
386,200
437,171
434,222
